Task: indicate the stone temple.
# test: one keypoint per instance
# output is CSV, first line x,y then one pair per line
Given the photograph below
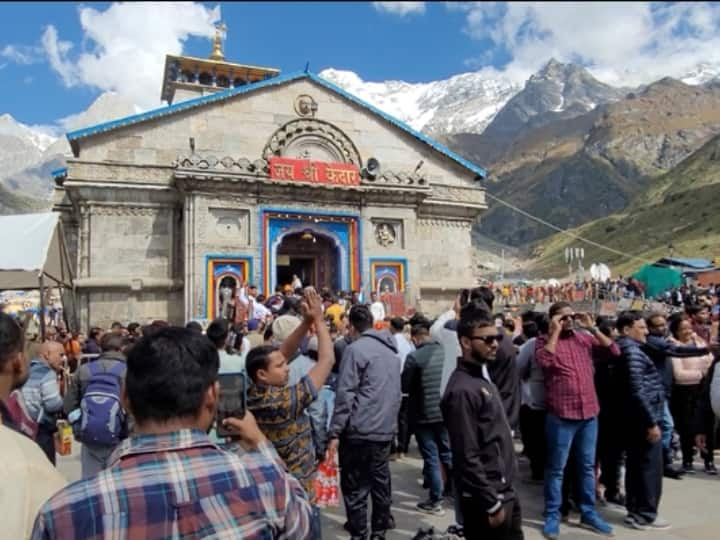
x,y
248,175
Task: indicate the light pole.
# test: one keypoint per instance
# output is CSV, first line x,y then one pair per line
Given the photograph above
x,y
575,254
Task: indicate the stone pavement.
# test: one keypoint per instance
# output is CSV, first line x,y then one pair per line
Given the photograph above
x,y
692,505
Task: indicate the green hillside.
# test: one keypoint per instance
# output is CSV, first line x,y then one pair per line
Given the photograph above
x,y
682,208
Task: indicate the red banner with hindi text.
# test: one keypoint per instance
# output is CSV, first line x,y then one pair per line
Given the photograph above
x,y
316,172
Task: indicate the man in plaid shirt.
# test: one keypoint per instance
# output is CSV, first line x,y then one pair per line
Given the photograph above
x,y
168,480
572,409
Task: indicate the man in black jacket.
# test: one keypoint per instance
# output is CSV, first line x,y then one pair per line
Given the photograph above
x,y
645,398
659,349
503,369
484,464
421,381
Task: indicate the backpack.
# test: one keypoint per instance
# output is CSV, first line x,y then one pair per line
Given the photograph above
x,y
102,418
18,412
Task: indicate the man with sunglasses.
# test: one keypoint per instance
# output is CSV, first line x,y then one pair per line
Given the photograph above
x,y
484,465
572,408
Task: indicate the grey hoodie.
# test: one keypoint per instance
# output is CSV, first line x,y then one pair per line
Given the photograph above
x,y
368,390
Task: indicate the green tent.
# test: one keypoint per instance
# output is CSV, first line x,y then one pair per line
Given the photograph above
x,y
658,279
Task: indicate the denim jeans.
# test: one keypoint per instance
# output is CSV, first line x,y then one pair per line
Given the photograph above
x,y
434,444
316,526
561,435
666,428
327,394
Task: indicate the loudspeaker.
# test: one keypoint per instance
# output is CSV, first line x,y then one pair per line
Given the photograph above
x,y
372,168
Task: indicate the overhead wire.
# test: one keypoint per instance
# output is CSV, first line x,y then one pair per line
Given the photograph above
x,y
565,231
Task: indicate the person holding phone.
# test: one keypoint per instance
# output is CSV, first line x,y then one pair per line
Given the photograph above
x,y
168,478
279,407
572,409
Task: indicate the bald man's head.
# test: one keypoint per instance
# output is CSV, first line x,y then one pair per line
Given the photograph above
x,y
52,352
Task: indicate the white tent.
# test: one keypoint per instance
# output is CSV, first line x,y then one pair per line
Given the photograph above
x,y
34,256
33,252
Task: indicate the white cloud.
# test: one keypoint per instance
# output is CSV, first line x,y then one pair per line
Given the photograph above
x,y
621,43
22,54
123,48
400,8
57,52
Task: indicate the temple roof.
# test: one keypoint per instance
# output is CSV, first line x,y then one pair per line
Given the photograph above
x,y
221,68
74,137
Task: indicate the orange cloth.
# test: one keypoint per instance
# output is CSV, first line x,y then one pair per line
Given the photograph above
x,y
72,348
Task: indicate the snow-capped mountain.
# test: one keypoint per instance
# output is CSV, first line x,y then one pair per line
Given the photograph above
x,y
556,91
701,74
465,103
469,103
39,137
20,145
28,154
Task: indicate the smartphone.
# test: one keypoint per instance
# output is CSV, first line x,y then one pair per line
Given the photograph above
x,y
232,401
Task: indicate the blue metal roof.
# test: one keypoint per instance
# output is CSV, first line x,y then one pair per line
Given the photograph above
x,y
74,136
689,263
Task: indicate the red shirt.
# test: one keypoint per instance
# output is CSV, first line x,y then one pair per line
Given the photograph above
x,y
569,375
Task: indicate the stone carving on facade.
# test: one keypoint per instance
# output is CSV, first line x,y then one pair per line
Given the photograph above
x,y
229,224
391,178
258,167
305,106
385,234
435,223
320,134
128,210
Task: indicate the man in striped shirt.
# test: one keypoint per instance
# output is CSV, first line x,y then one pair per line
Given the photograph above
x,y
572,409
168,480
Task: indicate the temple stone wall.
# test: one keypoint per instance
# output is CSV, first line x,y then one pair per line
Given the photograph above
x,y
130,242
105,307
241,127
147,232
445,261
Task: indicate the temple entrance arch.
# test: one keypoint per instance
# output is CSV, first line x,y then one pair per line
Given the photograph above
x,y
313,256
341,230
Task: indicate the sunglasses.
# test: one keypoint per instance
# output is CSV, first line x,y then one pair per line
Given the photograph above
x,y
488,340
568,317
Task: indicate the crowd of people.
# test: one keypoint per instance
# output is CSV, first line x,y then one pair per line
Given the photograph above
x,y
579,290
335,378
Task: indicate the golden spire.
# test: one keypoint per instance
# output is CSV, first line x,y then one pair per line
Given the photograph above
x,y
217,52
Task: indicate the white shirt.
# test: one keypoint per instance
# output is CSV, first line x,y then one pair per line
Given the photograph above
x,y
378,311
404,348
28,481
259,310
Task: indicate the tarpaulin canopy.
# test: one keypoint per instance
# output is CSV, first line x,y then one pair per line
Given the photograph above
x,y
33,247
658,279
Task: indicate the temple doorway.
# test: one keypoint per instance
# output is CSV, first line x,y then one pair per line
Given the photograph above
x,y
312,257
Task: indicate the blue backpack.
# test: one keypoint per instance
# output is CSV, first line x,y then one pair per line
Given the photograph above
x,y
102,420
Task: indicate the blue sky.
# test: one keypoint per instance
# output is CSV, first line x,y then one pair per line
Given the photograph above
x,y
350,35
56,58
